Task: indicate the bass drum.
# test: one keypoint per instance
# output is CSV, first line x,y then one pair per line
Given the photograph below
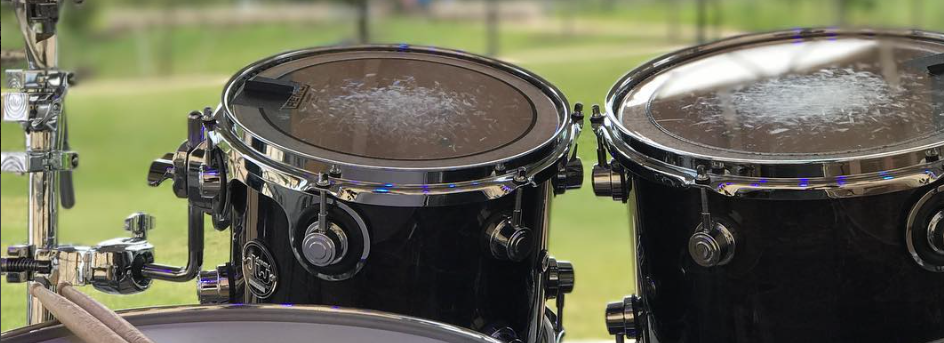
x,y
267,323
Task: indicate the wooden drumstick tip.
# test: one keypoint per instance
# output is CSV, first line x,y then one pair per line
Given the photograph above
x,y
82,324
101,312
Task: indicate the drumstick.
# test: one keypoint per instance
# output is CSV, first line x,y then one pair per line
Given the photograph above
x,y
104,314
81,323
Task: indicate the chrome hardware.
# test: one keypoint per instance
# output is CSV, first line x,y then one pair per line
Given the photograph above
x,y
161,169
324,248
712,244
16,107
622,319
325,243
559,281
210,182
19,265
109,266
507,238
213,286
138,224
32,162
610,181
37,105
712,248
924,234
936,232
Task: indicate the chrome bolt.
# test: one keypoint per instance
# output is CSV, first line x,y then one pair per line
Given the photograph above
x,y
139,223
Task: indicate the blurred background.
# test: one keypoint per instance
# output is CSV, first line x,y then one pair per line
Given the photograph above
x,y
142,65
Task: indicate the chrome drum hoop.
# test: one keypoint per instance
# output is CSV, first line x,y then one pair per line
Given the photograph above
x,y
271,165
760,187
267,313
395,186
774,179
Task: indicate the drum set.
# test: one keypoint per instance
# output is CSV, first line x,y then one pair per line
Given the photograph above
x,y
785,187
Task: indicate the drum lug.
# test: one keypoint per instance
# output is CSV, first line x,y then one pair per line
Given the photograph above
x,y
924,233
713,244
213,286
324,243
610,180
714,247
507,238
624,319
560,280
570,171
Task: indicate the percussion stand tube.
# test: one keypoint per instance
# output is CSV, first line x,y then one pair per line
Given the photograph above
x,y
42,89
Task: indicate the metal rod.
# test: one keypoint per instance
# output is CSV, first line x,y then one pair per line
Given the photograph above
x,y
195,227
43,204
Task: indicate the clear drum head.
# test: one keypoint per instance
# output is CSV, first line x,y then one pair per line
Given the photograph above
x,y
397,109
276,323
794,104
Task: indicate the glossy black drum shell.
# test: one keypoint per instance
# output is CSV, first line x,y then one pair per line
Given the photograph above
x,y
426,262
833,270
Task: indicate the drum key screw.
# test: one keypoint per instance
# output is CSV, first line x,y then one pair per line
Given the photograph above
x,y
701,175
323,181
717,166
933,155
521,176
335,171
596,116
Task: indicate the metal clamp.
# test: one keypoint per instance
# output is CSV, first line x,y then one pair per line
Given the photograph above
x,y
109,266
33,162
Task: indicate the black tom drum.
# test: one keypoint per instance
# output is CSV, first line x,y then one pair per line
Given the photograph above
x,y
786,187
402,179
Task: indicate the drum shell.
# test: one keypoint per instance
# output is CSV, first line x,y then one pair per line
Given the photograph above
x,y
428,262
834,270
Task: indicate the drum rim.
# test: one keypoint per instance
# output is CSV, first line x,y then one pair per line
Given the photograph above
x,y
374,184
827,177
312,314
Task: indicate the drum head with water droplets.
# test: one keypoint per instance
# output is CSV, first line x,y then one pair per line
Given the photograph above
x,y
811,97
398,109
